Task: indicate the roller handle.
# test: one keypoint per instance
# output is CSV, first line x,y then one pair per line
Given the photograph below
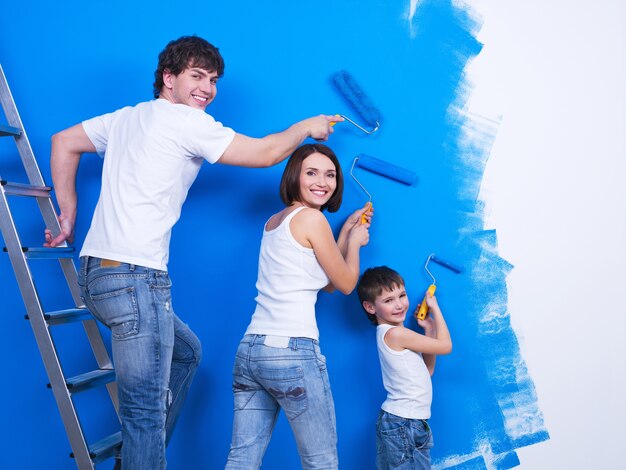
x,y
363,216
421,313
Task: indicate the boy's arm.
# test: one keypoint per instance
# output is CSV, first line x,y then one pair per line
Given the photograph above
x,y
409,339
430,331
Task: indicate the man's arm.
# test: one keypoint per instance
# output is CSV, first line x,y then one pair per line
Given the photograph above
x,y
67,148
274,148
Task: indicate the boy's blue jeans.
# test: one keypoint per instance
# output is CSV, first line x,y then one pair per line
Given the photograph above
x,y
402,443
267,379
155,354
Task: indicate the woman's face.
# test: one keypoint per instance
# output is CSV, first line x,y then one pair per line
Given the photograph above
x,y
318,180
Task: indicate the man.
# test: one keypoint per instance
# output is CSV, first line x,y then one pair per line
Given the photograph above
x,y
152,154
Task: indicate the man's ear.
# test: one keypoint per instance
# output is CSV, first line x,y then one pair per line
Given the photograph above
x,y
167,78
369,307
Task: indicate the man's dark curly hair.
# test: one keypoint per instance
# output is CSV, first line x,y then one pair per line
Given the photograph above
x,y
185,52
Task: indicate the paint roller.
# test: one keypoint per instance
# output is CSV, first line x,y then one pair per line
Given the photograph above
x,y
381,168
358,100
423,310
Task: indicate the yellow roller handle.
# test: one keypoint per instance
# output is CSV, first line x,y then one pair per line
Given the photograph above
x,y
421,313
363,216
335,122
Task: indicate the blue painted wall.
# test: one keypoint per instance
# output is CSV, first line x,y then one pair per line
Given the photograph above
x,y
71,61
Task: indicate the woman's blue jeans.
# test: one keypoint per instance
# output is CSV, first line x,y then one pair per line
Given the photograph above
x,y
155,354
268,378
402,443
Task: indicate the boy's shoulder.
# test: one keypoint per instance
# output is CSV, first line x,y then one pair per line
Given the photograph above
x,y
394,335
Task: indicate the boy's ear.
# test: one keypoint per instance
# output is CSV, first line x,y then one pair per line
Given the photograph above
x,y
369,307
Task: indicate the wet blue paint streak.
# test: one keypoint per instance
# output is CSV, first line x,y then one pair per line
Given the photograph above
x,y
485,400
477,463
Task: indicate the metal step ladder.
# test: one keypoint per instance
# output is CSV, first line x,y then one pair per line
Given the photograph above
x,y
63,388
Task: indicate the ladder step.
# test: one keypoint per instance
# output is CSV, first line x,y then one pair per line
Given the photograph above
x,y
104,448
47,253
66,316
19,189
89,380
9,130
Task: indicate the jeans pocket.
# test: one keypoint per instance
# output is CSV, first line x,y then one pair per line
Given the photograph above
x,y
118,310
287,386
321,360
392,441
421,435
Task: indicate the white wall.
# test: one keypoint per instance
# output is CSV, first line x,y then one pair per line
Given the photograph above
x,y
554,73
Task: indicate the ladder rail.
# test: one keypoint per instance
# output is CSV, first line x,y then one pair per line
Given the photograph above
x,y
42,336
22,142
84,458
48,212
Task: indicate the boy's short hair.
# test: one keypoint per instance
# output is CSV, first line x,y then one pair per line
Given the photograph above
x,y
290,181
183,53
373,282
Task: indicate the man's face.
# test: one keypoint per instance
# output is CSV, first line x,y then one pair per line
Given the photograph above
x,y
193,87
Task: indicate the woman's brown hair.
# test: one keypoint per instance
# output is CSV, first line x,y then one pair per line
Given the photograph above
x,y
290,182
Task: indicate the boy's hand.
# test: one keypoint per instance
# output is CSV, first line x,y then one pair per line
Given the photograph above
x,y
428,324
431,301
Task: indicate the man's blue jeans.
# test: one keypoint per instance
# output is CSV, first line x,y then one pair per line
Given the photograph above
x,y
401,443
267,379
155,354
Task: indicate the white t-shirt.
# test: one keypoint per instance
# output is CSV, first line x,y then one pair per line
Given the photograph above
x,y
152,154
406,379
288,282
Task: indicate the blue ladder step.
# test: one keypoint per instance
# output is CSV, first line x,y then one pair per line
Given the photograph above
x,y
9,130
104,448
88,380
47,253
19,189
66,316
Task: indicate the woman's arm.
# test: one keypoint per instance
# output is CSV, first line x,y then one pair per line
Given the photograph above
x,y
342,270
352,220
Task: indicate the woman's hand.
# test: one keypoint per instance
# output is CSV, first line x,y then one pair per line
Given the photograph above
x,y
355,218
360,233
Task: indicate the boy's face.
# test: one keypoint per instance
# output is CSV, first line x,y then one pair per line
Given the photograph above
x,y
390,306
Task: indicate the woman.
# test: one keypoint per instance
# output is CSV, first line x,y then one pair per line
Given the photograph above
x,y
278,363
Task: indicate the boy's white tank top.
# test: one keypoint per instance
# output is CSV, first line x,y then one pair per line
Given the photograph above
x,y
406,379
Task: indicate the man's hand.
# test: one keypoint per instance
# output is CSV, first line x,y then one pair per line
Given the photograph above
x,y
66,234
320,127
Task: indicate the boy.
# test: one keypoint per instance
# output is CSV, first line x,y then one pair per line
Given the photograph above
x,y
407,360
